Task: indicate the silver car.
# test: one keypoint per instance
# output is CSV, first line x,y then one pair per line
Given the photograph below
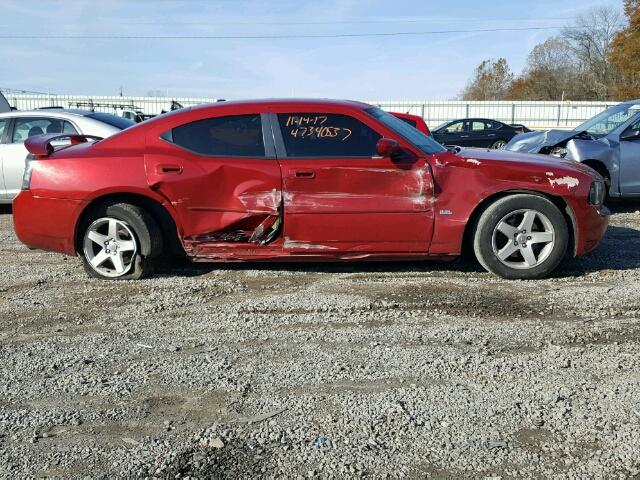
x,y
17,126
609,143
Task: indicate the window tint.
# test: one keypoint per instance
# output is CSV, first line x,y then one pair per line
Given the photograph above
x,y
26,127
477,125
3,125
411,122
493,125
232,136
326,135
113,120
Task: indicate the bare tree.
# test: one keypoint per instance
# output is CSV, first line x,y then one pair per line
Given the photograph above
x,y
590,39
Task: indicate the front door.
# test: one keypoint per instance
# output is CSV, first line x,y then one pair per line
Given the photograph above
x,y
340,196
222,180
630,163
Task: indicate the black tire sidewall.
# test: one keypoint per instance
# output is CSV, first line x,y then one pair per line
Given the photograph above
x,y
496,212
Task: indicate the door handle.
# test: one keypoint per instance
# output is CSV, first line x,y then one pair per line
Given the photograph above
x,y
169,169
304,174
464,136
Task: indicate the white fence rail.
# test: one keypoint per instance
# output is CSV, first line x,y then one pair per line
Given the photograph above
x,y
532,114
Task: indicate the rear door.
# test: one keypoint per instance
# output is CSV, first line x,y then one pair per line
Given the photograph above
x,y
339,196
222,177
630,163
479,135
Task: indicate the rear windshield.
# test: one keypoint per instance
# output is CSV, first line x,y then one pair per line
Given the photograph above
x,y
424,142
113,120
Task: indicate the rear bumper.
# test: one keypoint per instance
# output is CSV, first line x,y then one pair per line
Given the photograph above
x,y
592,225
46,223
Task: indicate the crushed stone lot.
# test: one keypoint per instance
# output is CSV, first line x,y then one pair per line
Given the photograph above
x,y
376,370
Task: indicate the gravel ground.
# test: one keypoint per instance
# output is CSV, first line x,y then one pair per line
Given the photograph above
x,y
377,370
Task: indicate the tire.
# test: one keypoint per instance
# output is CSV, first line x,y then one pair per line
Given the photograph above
x,y
498,144
521,237
138,241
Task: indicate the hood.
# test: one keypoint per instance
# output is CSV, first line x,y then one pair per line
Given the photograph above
x,y
478,156
534,142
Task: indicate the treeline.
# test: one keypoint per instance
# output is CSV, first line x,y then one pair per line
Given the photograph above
x,y
596,58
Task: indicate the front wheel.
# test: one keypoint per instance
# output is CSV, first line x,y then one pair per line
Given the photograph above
x,y
120,242
521,237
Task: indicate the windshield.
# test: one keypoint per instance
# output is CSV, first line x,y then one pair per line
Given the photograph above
x,y
425,143
114,121
607,121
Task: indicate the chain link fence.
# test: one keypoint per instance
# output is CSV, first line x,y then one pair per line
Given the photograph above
x,y
538,115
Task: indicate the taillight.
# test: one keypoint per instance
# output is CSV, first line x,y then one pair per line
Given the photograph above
x,y
28,170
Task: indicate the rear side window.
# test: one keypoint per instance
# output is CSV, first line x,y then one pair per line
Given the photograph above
x,y
26,127
493,125
326,135
3,126
476,126
231,136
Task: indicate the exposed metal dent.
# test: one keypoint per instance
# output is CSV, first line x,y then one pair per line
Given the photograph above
x,y
261,202
289,243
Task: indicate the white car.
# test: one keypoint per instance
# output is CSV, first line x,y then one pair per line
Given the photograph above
x,y
17,126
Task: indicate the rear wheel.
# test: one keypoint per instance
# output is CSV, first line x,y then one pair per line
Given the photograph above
x,y
499,145
521,237
120,242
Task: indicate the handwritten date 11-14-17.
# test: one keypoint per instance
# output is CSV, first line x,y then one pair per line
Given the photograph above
x,y
314,127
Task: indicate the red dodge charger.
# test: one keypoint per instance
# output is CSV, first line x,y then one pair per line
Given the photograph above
x,y
300,180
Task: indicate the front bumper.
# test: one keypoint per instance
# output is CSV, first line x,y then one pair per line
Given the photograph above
x,y
46,223
592,226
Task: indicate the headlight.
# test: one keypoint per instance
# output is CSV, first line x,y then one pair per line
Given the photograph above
x,y
559,152
597,193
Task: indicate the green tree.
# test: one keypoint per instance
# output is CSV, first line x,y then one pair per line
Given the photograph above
x,y
490,81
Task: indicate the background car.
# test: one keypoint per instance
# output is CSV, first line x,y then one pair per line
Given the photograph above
x,y
414,120
475,132
18,126
609,143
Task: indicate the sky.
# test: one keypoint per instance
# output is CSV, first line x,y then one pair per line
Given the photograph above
x,y
431,66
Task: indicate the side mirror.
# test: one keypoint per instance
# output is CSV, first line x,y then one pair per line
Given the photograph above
x,y
630,136
387,147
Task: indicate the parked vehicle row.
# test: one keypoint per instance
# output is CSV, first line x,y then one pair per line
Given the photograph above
x,y
17,126
300,180
609,143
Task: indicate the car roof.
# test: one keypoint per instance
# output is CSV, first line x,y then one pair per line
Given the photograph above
x,y
48,112
297,102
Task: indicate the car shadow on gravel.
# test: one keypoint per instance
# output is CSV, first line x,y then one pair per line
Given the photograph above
x,y
617,251
5,210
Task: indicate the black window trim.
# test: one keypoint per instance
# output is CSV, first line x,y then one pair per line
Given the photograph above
x,y
282,151
267,139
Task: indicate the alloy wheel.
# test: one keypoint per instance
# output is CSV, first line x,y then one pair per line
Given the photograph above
x,y
110,247
523,239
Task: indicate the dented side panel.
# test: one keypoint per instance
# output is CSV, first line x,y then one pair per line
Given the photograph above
x,y
217,199
357,204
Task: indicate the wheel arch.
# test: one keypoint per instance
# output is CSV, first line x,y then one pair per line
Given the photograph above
x,y
164,217
564,207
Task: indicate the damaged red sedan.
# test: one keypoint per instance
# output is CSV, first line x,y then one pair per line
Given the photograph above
x,y
300,180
